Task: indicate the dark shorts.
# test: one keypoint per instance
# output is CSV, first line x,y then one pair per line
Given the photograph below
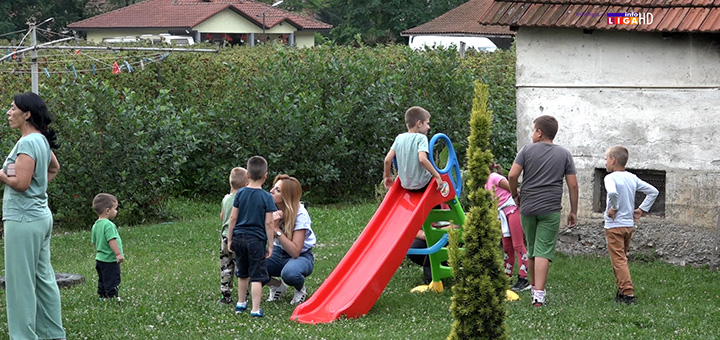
x,y
249,257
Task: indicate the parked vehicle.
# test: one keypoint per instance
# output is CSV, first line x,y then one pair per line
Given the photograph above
x,y
177,39
482,44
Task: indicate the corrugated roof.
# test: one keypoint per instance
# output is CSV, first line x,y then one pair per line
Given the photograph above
x,y
667,15
462,20
189,13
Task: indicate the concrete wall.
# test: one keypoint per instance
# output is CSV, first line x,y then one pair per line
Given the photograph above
x,y
659,97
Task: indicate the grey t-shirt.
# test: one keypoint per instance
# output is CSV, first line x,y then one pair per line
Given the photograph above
x,y
544,167
412,174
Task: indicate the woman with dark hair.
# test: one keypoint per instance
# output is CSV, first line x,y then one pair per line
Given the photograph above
x,y
292,257
32,295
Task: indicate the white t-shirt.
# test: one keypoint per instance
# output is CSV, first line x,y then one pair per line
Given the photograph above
x,y
302,222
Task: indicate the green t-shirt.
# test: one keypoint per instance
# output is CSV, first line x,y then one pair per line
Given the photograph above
x,y
226,207
103,231
33,202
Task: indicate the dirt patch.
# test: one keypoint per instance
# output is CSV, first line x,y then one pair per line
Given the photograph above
x,y
653,239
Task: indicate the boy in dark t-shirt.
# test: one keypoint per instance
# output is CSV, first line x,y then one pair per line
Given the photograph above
x,y
250,234
543,165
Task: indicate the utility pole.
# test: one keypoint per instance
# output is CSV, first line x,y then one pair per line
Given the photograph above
x,y
33,57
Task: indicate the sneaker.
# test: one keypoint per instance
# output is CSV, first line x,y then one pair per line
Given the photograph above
x,y
618,296
240,308
300,296
258,314
538,298
276,292
522,284
626,299
226,300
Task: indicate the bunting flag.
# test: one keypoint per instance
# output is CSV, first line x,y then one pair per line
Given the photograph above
x,y
115,68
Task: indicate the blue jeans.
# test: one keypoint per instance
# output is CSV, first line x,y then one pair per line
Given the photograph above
x,y
292,271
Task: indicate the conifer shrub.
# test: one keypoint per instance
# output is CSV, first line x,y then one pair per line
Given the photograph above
x,y
478,297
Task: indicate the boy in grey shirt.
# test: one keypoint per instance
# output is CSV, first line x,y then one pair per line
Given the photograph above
x,y
411,149
543,165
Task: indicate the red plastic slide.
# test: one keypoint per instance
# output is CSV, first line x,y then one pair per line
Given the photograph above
x,y
361,276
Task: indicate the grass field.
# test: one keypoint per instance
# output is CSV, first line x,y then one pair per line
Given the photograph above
x,y
170,289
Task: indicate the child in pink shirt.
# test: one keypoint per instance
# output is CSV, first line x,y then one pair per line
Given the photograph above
x,y
509,217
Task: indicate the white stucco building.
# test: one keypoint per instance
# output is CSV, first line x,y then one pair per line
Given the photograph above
x,y
653,87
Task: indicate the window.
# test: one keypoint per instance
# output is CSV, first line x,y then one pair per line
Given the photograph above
x,y
655,177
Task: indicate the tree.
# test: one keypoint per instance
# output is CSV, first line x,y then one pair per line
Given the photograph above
x,y
479,291
379,21
20,12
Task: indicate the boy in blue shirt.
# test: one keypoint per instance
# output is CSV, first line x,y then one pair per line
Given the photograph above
x,y
620,217
250,232
108,246
411,149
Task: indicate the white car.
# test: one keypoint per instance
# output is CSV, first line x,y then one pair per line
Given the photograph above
x,y
177,39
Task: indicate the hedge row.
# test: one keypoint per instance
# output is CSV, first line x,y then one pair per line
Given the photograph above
x,y
326,115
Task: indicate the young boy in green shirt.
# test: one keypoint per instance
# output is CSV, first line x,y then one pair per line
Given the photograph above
x,y
238,179
108,246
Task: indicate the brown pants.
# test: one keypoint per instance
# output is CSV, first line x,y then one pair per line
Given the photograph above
x,y
618,244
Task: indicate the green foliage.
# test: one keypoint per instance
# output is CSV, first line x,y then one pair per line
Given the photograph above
x,y
17,13
326,115
497,70
479,292
380,21
134,151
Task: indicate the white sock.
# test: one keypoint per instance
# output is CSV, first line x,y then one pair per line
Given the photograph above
x,y
242,304
539,295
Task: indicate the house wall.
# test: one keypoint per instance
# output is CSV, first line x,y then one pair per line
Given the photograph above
x,y
305,38
228,21
659,97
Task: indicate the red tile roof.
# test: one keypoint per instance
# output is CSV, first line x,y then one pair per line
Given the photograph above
x,y
186,14
462,20
668,15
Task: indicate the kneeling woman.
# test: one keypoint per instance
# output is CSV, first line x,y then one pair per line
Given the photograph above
x,y
292,258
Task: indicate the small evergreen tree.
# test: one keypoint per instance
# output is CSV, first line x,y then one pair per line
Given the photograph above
x,y
479,291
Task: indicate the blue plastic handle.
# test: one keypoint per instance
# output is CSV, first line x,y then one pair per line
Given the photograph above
x,y
452,163
430,250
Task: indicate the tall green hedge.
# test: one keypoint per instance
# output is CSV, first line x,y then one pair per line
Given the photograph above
x,y
326,115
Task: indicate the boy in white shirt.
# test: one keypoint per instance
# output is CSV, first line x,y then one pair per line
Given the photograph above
x,y
621,215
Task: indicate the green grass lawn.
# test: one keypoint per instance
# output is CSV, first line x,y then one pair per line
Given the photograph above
x,y
171,284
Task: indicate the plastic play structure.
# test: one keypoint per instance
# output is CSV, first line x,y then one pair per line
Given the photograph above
x,y
356,283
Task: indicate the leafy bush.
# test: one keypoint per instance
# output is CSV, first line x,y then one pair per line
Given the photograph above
x,y
178,124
